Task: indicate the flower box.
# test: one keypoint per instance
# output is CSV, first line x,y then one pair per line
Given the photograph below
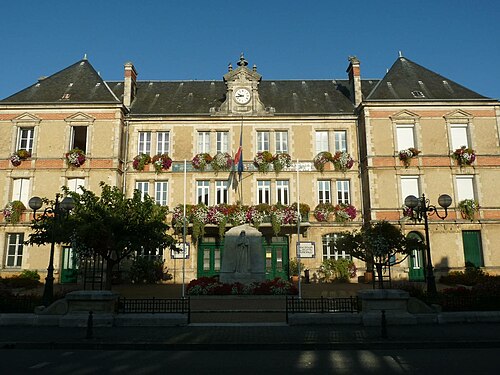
x,y
200,161
75,158
161,162
140,161
407,154
464,156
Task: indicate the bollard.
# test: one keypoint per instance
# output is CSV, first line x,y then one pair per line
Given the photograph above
x,y
383,325
306,276
90,326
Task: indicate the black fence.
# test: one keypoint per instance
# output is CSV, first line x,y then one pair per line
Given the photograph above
x,y
466,302
322,305
155,306
19,304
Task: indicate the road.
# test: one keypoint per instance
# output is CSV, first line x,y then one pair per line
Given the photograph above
x,y
254,362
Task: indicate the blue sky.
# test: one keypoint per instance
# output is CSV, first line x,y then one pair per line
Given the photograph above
x,y
294,39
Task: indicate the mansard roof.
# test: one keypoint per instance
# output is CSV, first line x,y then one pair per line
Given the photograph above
x,y
407,80
78,83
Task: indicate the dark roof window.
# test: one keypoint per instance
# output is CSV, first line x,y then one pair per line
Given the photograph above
x,y
418,94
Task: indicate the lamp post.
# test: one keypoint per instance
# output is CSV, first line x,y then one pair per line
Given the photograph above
x,y
56,211
422,209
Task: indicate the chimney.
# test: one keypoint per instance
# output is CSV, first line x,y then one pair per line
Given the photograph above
x,y
355,79
129,87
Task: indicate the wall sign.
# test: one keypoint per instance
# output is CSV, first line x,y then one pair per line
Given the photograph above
x,y
306,249
176,253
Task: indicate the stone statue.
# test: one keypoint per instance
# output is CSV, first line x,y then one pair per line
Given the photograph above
x,y
243,257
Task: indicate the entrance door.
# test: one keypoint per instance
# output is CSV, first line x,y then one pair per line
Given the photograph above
x,y
276,254
473,252
416,263
69,270
209,257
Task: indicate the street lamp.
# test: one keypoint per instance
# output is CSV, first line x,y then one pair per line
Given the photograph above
x,y
422,209
56,211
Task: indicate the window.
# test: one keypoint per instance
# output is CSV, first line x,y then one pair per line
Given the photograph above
x,y
465,188
79,138
222,141
162,142
203,142
203,192
74,184
321,141
262,141
144,145
151,254
458,136
324,191
330,250
143,187
221,195
343,194
282,191
281,142
25,139
264,191
409,186
21,190
340,140
405,137
161,193
14,257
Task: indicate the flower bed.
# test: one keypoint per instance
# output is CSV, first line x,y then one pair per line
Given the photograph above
x,y
75,158
211,286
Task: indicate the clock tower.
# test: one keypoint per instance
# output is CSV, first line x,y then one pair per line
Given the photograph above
x,y
242,95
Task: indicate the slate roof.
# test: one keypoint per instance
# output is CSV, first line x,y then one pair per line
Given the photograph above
x,y
78,83
406,77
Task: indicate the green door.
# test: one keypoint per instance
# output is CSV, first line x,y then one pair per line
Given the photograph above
x,y
274,251
416,263
69,270
473,252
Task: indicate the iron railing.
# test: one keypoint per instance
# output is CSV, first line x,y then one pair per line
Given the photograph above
x,y
19,304
322,305
154,306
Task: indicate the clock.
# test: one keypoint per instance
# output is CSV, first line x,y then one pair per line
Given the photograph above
x,y
242,96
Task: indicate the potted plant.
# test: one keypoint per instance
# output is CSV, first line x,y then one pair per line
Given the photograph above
x,y
342,161
407,154
321,159
293,269
281,161
75,157
344,212
162,162
200,161
13,211
222,161
322,211
468,208
263,160
464,156
140,161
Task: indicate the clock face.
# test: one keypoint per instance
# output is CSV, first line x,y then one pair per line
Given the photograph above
x,y
242,96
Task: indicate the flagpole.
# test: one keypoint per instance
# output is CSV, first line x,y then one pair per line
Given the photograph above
x,y
184,236
298,228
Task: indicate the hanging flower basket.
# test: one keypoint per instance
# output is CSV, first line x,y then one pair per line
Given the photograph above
x,y
408,213
263,161
342,161
407,154
464,156
17,157
162,162
200,161
140,161
13,211
281,161
468,208
322,211
222,161
344,212
321,159
75,158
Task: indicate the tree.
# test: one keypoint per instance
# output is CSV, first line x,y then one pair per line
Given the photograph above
x,y
111,226
379,243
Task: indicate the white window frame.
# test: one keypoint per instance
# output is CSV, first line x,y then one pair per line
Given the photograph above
x,y
262,141
222,141
72,146
332,253
281,138
324,191
144,143
465,187
21,190
14,251
410,185
221,192
283,192
203,192
143,187
161,193
163,142
405,136
343,191
74,184
264,191
203,142
340,140
321,141
459,136
25,138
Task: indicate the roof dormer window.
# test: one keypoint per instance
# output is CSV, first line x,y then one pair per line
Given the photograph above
x,y
418,94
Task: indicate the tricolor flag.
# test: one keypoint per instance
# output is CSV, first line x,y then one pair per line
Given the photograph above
x,y
237,165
